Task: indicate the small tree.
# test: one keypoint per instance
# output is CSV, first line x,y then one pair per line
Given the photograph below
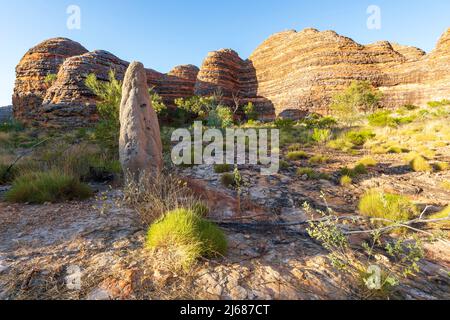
x,y
250,112
109,94
360,96
157,102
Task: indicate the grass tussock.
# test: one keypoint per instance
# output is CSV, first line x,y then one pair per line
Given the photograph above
x,y
367,162
419,164
296,155
312,174
187,236
346,181
50,186
382,205
441,166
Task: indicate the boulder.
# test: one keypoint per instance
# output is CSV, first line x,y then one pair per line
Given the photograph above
x,y
140,146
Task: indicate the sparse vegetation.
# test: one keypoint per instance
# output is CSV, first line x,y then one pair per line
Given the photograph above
x,y
297,155
391,207
346,180
312,174
419,164
359,97
51,186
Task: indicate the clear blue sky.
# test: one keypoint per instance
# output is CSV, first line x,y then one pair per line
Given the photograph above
x,y
165,33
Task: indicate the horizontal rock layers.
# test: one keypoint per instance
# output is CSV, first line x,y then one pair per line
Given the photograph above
x,y
289,75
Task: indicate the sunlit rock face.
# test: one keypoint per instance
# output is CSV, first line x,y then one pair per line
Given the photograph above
x,y
32,70
290,75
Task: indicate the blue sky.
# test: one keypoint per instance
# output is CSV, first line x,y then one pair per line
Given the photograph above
x,y
163,34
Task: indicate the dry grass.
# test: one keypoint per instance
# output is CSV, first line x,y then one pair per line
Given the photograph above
x,y
153,197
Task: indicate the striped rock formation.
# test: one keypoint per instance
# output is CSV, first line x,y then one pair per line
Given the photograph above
x,y
290,75
40,61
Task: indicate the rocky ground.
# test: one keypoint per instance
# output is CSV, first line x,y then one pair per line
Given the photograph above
x,y
40,246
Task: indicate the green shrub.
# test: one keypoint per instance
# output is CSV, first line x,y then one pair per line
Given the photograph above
x,y
250,112
368,162
51,186
442,103
296,147
318,159
284,164
157,103
109,94
382,119
359,97
360,169
296,155
341,144
346,181
359,138
316,121
228,180
353,173
222,168
281,123
50,79
312,174
321,135
188,236
419,164
395,149
378,204
441,166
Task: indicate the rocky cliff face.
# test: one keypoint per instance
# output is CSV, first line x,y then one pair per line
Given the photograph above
x,y
289,75
40,61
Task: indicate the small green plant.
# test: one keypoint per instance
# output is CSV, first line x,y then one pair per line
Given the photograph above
x,y
281,123
157,102
50,79
318,159
51,186
441,166
227,180
410,107
187,236
392,207
312,174
321,135
359,97
368,162
359,169
346,181
222,168
436,104
296,155
250,112
220,117
109,94
382,119
419,164
360,137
